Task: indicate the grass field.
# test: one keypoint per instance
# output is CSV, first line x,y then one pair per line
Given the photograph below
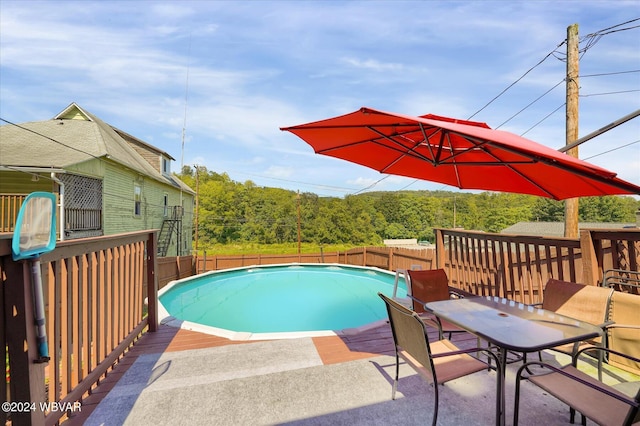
x,y
285,248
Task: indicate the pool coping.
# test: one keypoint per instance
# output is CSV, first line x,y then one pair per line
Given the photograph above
x,y
171,321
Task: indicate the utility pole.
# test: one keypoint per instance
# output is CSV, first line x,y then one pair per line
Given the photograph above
x,y
571,205
197,203
298,202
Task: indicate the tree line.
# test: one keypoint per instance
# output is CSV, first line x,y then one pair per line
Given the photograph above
x,y
235,212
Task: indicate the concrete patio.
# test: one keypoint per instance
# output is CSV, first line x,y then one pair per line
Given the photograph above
x,y
291,381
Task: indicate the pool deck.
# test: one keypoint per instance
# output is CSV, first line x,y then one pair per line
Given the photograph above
x,y
330,349
177,376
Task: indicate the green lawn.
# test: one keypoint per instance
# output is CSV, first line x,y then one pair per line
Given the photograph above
x,y
285,248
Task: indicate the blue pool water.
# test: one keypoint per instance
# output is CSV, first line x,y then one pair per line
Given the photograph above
x,y
283,298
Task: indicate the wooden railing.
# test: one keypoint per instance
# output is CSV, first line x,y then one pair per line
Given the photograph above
x,y
93,290
82,219
605,249
76,219
518,267
9,208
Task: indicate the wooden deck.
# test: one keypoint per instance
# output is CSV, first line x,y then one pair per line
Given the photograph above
x,y
332,349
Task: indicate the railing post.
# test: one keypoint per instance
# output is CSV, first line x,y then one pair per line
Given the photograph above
x,y
152,281
27,376
440,255
590,273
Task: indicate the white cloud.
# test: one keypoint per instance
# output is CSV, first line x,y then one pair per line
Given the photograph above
x,y
373,64
254,67
279,172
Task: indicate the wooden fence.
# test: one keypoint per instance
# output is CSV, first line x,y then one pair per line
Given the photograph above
x,y
389,258
95,288
512,266
174,268
217,262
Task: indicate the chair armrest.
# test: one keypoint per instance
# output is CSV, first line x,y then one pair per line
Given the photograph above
x,y
600,348
601,387
412,297
467,351
460,293
605,324
455,294
616,325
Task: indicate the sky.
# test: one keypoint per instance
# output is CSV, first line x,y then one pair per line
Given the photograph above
x,y
212,82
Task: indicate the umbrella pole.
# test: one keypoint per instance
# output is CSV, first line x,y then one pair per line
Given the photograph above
x,y
38,304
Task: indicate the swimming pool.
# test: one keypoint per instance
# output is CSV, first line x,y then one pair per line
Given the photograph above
x,y
279,301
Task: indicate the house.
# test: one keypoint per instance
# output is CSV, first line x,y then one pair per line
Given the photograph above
x,y
408,243
556,229
107,181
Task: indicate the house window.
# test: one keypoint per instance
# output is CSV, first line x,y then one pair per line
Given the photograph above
x,y
165,203
166,166
137,200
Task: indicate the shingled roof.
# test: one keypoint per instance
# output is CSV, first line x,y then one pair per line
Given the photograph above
x,y
71,137
556,229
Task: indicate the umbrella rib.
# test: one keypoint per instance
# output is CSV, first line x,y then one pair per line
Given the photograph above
x,y
403,152
534,159
595,176
426,140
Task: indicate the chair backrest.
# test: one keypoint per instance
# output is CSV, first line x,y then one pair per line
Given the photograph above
x,y
409,333
428,286
624,335
622,280
583,302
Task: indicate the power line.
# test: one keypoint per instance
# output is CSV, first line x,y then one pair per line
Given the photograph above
x,y
602,31
372,185
50,138
517,81
590,39
613,149
531,103
609,73
545,117
610,93
329,187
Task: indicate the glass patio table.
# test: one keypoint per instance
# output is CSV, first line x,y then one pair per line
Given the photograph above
x,y
512,326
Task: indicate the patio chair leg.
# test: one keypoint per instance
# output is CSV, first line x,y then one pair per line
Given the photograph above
x,y
395,381
516,404
600,356
572,417
435,407
524,358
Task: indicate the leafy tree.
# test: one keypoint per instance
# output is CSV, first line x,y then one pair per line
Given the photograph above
x,y
244,212
547,210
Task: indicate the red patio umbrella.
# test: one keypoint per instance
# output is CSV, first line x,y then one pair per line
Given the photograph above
x,y
465,154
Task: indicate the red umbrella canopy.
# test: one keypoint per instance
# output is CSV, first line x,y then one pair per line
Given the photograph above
x,y
465,154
